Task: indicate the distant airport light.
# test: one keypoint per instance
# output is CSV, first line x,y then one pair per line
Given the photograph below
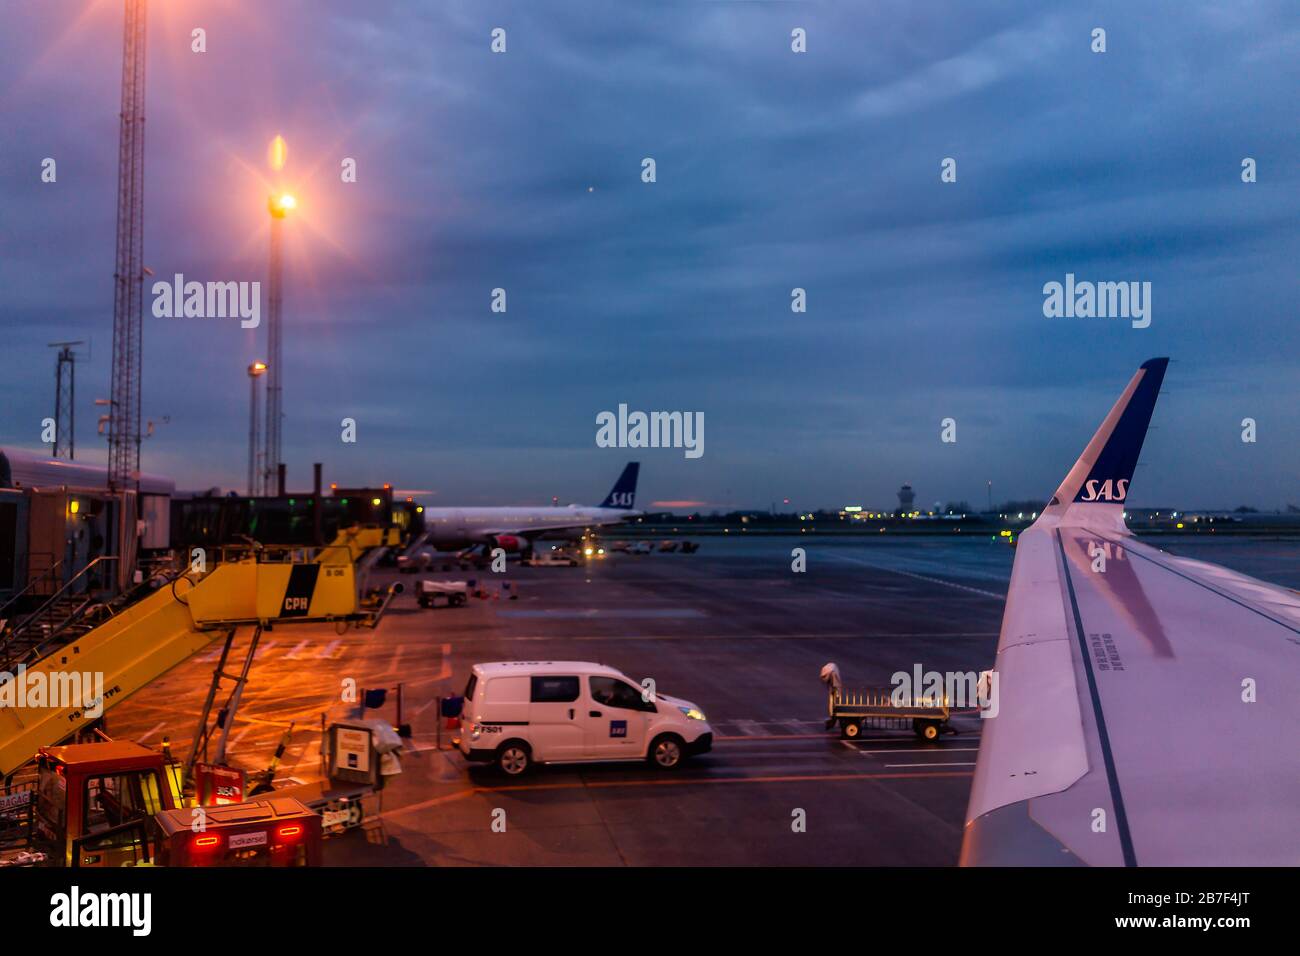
x,y
375,502
853,507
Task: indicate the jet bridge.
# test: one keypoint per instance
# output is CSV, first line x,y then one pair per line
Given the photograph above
x,y
70,688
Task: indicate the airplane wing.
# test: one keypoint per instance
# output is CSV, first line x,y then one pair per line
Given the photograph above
x,y
1147,705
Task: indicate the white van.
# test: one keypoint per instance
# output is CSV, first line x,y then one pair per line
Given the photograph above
x,y
518,713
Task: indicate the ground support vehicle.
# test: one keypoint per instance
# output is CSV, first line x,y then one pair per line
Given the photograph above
x,y
450,593
856,710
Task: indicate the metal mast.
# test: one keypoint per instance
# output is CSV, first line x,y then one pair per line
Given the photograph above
x,y
275,364
128,275
65,399
255,371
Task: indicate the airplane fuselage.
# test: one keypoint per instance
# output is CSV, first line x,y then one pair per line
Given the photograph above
x,y
449,529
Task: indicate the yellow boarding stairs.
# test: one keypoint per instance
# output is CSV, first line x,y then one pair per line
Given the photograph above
x,y
152,636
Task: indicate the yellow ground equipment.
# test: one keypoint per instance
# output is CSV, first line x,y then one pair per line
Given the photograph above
x,y
70,688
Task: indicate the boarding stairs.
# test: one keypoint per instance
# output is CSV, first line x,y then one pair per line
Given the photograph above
x,y
71,609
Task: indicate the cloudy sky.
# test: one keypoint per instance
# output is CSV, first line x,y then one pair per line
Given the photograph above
x,y
775,170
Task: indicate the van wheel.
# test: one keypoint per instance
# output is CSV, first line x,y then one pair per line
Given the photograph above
x,y
666,752
513,758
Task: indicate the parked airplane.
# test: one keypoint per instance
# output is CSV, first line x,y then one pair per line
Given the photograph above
x,y
1147,708
514,528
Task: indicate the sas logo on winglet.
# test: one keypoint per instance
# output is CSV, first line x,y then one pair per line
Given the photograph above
x,y
1108,490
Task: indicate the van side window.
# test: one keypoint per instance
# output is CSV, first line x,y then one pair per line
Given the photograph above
x,y
615,693
469,688
554,690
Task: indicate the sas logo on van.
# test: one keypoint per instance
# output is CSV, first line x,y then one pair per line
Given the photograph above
x,y
1107,490
618,728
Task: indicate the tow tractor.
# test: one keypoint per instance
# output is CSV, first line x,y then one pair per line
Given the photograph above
x,y
118,803
856,710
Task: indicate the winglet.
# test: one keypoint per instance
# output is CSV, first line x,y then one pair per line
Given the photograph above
x,y
623,494
1104,471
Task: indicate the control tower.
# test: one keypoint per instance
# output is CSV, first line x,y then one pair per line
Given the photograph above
x,y
905,498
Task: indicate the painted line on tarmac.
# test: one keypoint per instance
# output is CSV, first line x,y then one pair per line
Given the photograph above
x,y
921,577
921,750
610,784
968,764
153,730
853,636
744,737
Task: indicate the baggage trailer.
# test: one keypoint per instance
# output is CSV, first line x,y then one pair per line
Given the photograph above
x,y
884,708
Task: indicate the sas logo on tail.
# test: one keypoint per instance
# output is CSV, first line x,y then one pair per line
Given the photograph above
x,y
1107,490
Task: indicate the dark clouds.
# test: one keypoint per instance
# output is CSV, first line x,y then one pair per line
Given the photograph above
x,y
775,171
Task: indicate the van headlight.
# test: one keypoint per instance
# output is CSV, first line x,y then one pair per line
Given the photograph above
x,y
692,713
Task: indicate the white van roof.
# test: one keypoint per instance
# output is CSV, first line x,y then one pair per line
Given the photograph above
x,y
502,668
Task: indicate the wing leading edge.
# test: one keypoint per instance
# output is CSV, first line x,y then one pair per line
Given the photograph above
x,y
1125,732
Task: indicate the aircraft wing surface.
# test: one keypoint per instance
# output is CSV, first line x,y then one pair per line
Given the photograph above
x,y
1147,705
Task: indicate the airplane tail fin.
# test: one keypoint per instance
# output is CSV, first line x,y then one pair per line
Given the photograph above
x,y
623,494
1104,471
